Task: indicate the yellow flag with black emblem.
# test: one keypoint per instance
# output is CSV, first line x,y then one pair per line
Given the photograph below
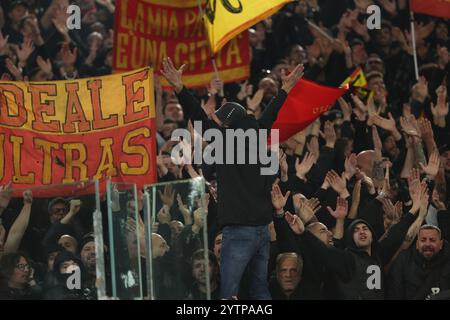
x,y
224,19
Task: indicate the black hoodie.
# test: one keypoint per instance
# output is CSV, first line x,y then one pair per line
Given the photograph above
x,y
243,193
359,275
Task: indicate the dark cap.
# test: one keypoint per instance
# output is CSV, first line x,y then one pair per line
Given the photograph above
x,y
86,239
55,201
230,112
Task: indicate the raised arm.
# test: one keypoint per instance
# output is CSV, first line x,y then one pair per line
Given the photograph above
x,y
289,81
20,224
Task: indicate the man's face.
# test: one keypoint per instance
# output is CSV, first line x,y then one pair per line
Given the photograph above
x,y
445,160
176,227
159,246
69,243
288,276
365,162
441,31
376,83
173,111
428,243
67,267
173,168
297,55
362,236
199,272
322,233
88,254
17,13
269,86
383,37
167,130
22,271
57,212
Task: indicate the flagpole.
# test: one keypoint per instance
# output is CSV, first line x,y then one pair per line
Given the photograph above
x,y
213,60
413,36
319,29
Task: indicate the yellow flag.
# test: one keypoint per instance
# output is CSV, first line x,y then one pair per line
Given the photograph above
x,y
224,19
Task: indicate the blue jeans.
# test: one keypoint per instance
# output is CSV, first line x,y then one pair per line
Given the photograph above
x,y
244,246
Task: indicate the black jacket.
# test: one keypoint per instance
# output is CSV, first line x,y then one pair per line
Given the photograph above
x,y
243,193
412,277
351,266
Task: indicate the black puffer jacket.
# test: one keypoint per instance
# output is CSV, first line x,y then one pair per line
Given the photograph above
x,y
412,277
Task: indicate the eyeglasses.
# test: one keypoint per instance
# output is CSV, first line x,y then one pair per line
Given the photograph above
x,y
23,266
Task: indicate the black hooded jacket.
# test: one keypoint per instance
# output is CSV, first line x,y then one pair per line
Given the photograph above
x,y
359,275
243,193
412,277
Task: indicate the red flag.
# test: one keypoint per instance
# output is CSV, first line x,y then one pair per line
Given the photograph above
x,y
438,8
304,104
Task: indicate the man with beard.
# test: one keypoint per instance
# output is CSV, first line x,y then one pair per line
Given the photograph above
x,y
87,254
198,290
422,271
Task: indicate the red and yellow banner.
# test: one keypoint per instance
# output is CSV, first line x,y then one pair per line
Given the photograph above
x,y
146,31
62,132
224,19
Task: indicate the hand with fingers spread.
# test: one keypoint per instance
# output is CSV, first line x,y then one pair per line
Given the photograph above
x,y
341,209
426,130
163,215
302,168
278,199
308,208
168,196
346,109
24,51
313,147
419,195
413,180
440,110
386,124
388,207
338,183
350,166
172,74
432,168
295,223
14,70
44,65
184,211
289,81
